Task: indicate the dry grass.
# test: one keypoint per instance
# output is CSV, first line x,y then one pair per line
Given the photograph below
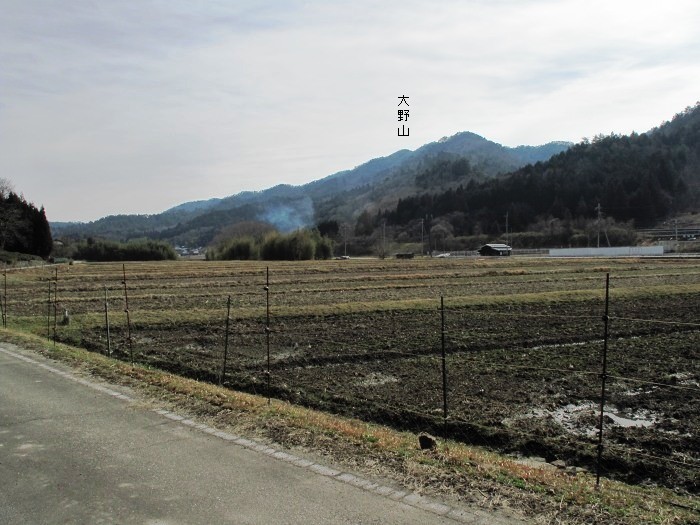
x,y
453,471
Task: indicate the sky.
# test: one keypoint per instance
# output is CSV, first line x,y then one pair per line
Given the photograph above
x,y
126,106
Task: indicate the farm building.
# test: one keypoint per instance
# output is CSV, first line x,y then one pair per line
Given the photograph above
x,y
495,249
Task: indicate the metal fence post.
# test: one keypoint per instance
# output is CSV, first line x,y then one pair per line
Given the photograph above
x,y
55,307
48,313
228,320
267,331
128,318
603,378
109,339
2,306
444,367
4,312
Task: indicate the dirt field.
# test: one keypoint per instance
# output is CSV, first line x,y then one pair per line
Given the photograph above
x,y
523,341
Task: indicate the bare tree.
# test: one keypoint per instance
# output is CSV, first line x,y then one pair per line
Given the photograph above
x,y
6,187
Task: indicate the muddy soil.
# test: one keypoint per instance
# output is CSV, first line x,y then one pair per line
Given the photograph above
x,y
525,380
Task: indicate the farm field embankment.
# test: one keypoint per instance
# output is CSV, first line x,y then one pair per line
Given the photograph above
x,y
523,345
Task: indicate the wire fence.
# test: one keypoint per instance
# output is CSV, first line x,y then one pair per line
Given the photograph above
x,y
609,384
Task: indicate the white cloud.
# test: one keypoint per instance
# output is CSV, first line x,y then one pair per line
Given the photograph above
x,y
138,106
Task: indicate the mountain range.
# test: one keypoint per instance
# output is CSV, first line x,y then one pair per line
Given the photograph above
x,y
376,184
462,186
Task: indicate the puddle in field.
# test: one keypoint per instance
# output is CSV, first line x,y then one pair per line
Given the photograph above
x,y
583,418
641,420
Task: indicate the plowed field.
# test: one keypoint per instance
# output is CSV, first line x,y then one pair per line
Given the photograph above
x,y
523,343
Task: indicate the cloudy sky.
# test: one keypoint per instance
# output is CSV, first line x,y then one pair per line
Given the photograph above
x,y
126,106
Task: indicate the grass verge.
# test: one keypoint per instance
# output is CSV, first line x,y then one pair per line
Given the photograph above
x,y
457,473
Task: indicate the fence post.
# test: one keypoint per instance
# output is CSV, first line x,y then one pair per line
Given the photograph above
x,y
228,320
267,331
128,319
603,378
109,339
444,367
4,316
2,306
48,313
55,307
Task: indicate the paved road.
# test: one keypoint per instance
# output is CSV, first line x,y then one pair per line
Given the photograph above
x,y
72,454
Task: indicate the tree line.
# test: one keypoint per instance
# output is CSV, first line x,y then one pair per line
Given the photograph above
x,y
23,226
299,245
643,178
134,250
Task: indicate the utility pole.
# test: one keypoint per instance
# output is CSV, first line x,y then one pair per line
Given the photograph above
x,y
422,244
675,226
675,244
383,238
345,240
507,228
430,240
598,209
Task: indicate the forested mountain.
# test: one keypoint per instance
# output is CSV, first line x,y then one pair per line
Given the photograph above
x,y
463,185
23,226
643,178
341,196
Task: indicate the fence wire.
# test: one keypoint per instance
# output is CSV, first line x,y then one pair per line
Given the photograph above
x,y
521,381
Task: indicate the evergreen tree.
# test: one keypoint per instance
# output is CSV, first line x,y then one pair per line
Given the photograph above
x,y
23,227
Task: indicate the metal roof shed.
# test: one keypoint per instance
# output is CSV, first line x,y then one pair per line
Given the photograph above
x,y
494,249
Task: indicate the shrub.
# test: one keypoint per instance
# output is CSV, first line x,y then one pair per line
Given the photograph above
x,y
138,250
300,245
241,249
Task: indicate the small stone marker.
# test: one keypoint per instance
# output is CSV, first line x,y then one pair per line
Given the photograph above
x,y
559,464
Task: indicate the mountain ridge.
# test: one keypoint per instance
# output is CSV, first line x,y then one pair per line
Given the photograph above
x,y
635,180
289,207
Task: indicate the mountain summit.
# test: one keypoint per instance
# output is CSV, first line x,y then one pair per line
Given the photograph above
x,y
342,195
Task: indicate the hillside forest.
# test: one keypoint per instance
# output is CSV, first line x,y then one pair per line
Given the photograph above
x,y
630,181
454,194
23,227
606,187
